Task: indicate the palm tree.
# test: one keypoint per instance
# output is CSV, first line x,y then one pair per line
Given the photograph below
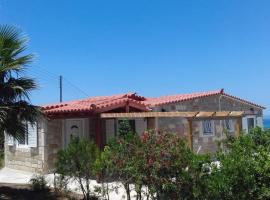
x,y
15,106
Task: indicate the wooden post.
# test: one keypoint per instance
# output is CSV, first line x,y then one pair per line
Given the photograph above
x,y
190,134
238,126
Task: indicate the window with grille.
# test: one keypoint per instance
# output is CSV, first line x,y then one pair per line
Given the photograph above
x,y
228,125
208,127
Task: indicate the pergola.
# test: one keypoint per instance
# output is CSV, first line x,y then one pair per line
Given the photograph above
x,y
190,116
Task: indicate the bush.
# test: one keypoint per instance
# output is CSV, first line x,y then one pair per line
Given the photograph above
x,y
244,171
78,161
39,183
161,162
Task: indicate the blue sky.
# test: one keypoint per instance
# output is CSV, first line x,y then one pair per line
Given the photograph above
x,y
148,46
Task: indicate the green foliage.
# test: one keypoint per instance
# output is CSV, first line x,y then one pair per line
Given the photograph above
x,y
162,162
244,171
39,183
79,161
161,166
15,107
124,128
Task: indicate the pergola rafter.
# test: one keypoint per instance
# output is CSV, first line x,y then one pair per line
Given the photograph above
x,y
194,115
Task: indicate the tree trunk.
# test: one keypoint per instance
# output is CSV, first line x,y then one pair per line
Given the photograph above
x,y
87,189
126,185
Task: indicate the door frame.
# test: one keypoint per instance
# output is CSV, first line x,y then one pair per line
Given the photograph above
x,y
64,133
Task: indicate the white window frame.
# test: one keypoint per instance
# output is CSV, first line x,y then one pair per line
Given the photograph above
x,y
245,122
202,133
26,144
252,117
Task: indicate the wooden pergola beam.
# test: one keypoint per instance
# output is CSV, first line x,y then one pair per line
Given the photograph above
x,y
194,115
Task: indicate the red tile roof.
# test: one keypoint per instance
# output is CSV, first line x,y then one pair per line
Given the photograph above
x,y
179,98
106,103
97,104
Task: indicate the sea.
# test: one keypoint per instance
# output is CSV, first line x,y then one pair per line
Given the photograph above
x,y
266,122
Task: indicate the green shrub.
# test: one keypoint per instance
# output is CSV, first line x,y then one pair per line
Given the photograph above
x,y
39,183
244,171
78,161
161,162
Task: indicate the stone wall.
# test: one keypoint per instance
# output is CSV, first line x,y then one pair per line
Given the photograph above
x,y
211,103
26,158
209,144
203,143
175,125
53,143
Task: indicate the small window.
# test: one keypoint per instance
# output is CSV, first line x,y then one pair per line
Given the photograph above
x,y
208,127
251,123
23,140
228,125
29,139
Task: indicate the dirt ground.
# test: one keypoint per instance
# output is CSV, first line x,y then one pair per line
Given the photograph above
x,y
23,192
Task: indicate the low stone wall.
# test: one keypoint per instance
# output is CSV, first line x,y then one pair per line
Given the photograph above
x,y
26,159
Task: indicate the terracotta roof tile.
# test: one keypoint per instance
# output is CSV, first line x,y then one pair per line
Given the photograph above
x,y
98,104
179,97
94,103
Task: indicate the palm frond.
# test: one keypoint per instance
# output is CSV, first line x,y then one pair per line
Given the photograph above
x,y
15,107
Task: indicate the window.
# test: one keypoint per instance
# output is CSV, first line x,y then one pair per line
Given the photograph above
x,y
248,123
29,139
208,128
228,125
251,123
23,140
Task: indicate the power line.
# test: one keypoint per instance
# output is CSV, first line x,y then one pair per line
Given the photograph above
x,y
50,76
76,87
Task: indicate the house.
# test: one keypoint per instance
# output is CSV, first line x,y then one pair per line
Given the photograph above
x,y
203,118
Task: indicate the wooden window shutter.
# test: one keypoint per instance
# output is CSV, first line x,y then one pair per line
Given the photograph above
x,y
32,135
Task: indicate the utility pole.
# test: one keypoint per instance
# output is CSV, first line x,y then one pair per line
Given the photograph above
x,y
61,88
